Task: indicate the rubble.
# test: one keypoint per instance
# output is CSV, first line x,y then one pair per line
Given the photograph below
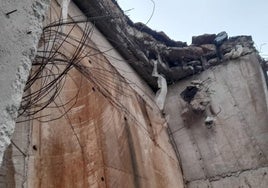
x,y
213,62
209,121
197,96
234,53
203,39
189,93
140,45
220,38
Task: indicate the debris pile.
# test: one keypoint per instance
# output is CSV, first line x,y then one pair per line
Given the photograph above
x,y
209,121
141,45
189,93
198,98
197,95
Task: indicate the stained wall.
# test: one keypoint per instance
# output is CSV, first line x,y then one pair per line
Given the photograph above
x,y
113,136
233,151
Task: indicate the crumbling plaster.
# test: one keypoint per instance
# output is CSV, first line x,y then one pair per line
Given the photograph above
x,y
141,46
21,22
232,152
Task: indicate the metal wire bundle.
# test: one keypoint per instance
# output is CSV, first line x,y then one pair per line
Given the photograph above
x,y
52,65
66,45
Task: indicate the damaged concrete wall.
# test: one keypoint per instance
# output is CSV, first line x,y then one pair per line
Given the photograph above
x,y
21,26
101,146
114,135
230,149
115,58
13,172
142,45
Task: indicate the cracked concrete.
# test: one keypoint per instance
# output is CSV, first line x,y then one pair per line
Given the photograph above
x,y
254,178
112,137
231,153
238,139
142,45
19,36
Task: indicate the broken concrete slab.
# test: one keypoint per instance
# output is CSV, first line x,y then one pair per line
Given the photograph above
x,y
140,45
203,39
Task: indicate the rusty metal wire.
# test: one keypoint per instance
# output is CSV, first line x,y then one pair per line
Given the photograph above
x,y
53,63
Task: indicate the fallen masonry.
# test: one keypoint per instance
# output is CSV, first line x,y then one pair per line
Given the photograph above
x,y
112,103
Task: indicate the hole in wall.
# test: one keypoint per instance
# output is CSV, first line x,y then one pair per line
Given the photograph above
x,y
35,147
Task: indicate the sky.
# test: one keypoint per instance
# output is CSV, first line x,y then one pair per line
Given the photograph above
x,y
182,19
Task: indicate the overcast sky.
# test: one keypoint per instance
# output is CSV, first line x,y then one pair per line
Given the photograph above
x,y
182,19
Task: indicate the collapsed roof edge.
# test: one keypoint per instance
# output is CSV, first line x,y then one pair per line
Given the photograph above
x,y
140,45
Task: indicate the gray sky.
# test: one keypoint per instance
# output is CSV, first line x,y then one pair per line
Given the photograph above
x,y
182,19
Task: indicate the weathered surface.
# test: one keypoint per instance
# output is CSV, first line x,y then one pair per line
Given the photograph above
x,y
112,136
236,141
13,172
248,178
99,145
141,45
123,68
203,39
21,22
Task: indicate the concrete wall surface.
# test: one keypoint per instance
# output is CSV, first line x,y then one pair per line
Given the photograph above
x,y
233,151
21,26
111,137
116,60
13,172
104,129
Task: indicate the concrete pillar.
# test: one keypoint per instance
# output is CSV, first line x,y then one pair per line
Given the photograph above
x,y
21,26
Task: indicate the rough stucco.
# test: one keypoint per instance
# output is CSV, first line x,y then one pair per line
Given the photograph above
x,y
19,37
13,172
233,152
